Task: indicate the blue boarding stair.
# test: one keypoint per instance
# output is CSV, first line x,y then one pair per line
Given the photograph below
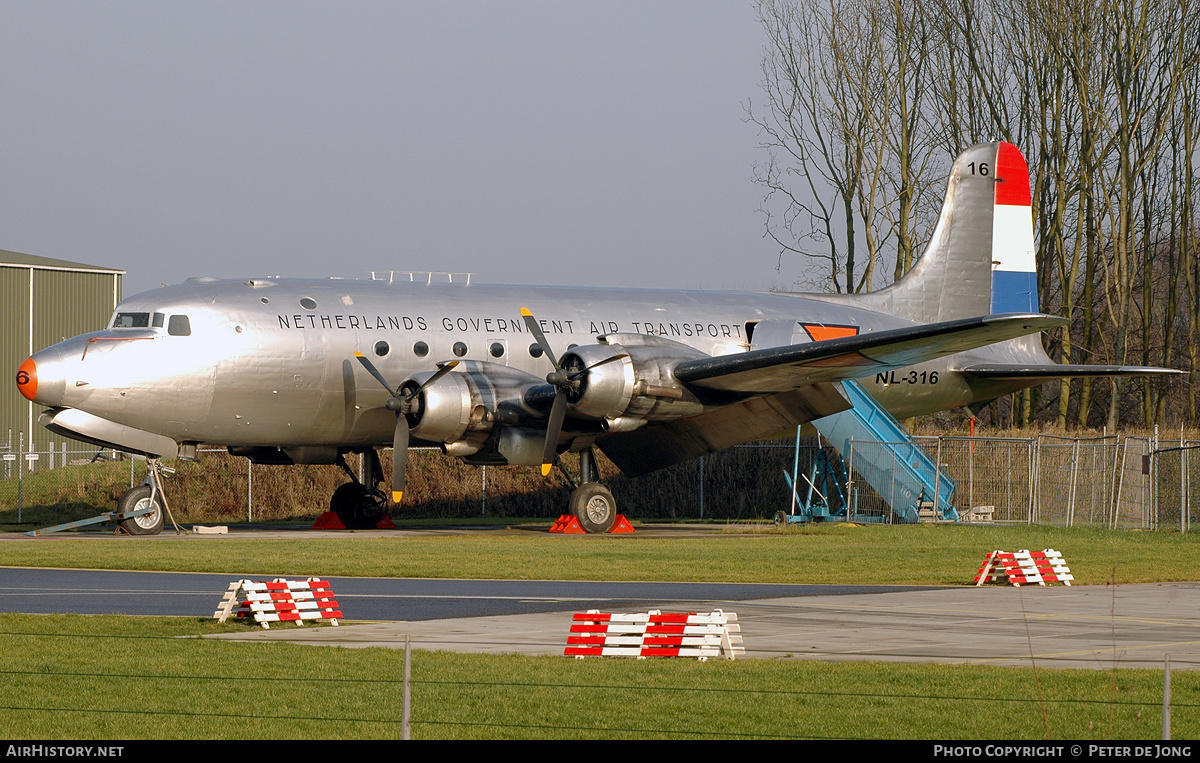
x,y
880,452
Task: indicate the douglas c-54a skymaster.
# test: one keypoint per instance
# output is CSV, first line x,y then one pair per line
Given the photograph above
x,y
305,371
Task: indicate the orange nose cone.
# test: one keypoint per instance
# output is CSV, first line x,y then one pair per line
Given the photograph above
x,y
27,379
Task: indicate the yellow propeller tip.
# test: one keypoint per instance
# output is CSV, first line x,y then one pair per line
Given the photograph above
x,y
525,311
546,470
396,496
358,354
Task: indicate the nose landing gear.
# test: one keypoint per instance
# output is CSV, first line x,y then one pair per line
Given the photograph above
x,y
143,510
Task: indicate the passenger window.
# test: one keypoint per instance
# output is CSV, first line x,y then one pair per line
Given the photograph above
x,y
179,325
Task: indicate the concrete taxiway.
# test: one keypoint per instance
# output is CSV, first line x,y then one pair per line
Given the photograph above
x,y
1063,627
1093,627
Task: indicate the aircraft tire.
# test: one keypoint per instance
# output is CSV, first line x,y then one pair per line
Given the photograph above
x,y
358,507
145,524
594,506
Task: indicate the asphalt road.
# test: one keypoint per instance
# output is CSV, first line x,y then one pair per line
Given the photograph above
x,y
1094,627
197,595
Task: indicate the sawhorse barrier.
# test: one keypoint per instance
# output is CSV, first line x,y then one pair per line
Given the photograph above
x,y
280,600
655,634
1024,568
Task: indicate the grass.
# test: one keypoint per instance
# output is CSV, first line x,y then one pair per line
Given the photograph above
x,y
114,678
741,483
907,554
76,677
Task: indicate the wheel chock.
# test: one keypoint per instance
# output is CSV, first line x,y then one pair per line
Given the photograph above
x,y
621,525
568,524
328,521
385,523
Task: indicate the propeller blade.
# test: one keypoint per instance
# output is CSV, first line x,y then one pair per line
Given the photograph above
x,y
367,364
553,429
401,406
399,457
576,374
443,369
535,329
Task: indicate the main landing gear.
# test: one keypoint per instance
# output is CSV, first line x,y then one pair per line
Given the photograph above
x,y
360,505
591,503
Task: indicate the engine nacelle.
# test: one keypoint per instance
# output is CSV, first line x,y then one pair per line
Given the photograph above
x,y
459,409
605,388
627,380
445,410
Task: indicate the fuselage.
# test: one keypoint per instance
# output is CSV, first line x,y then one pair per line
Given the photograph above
x,y
268,362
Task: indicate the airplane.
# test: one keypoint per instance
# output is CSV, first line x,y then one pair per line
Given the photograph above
x,y
288,371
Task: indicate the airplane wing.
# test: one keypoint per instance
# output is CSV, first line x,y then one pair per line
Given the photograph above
x,y
1019,372
780,369
785,386
671,442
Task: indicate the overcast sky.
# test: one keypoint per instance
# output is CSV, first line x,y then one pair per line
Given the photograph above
x,y
525,142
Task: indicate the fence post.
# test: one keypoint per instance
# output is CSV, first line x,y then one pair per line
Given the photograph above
x,y
937,481
1074,482
1035,479
249,490
406,710
1166,713
20,473
1150,482
1183,459
1120,481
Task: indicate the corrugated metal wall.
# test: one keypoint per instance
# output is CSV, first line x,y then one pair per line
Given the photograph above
x,y
64,303
14,348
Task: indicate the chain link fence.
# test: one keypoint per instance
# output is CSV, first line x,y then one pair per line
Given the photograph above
x,y
1115,482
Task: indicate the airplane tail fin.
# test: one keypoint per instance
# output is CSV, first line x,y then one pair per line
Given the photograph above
x,y
980,259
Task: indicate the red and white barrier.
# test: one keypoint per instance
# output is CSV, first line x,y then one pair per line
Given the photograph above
x,y
654,634
280,600
1024,568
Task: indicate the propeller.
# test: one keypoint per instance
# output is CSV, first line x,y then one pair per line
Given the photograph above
x,y
562,384
565,383
402,405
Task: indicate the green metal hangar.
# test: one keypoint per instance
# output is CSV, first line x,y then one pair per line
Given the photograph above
x,y
42,302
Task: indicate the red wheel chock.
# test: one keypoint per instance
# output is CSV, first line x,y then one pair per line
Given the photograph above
x,y
328,521
568,524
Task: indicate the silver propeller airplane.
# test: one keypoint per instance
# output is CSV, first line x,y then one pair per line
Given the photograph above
x,y
305,371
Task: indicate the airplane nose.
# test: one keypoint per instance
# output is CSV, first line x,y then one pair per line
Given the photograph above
x,y
27,380
41,378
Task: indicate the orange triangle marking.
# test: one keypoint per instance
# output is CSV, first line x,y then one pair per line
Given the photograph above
x,y
820,333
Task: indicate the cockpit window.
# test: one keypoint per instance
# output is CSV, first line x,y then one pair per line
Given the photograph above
x,y
131,321
179,325
156,320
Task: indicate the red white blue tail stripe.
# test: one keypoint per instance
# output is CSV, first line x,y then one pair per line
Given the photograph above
x,y
1014,271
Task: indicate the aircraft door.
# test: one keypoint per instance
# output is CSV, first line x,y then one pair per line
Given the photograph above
x,y
775,333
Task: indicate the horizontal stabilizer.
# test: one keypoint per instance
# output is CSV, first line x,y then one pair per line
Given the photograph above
x,y
1043,372
779,369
